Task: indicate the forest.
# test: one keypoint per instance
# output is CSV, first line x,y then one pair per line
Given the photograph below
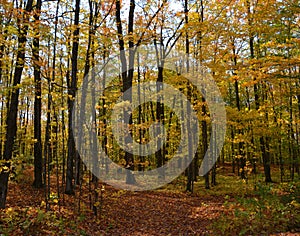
x,y
165,117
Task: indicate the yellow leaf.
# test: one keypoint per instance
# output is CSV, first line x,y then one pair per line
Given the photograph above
x,y
9,209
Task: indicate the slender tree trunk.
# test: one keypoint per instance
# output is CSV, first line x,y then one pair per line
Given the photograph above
x,y
63,124
190,171
94,145
160,117
72,86
205,140
127,75
2,78
203,107
38,153
159,155
241,159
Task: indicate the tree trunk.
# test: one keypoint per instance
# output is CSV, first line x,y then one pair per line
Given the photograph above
x,y
38,153
205,141
241,158
127,75
72,86
190,180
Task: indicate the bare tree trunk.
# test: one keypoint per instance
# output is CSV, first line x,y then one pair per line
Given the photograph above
x,y
72,86
241,159
38,152
127,75
190,170
203,108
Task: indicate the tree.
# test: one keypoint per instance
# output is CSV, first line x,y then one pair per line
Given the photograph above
x,y
11,121
127,74
38,155
72,87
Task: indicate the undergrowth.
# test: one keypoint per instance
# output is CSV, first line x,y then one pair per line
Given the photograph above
x,y
272,208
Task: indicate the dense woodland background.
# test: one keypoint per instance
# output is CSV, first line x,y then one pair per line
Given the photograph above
x,y
250,47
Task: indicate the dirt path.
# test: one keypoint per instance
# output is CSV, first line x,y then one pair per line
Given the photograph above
x,y
132,213
161,213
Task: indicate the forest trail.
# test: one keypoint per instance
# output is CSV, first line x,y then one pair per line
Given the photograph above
x,y
160,212
166,211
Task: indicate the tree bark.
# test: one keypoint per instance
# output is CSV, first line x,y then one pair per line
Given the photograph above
x,y
127,75
72,86
38,153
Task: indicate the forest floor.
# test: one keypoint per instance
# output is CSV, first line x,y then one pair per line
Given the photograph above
x,y
167,211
